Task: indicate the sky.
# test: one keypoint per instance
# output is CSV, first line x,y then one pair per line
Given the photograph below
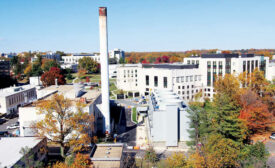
x,y
136,25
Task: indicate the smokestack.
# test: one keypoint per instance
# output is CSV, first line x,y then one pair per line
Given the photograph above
x,y
104,67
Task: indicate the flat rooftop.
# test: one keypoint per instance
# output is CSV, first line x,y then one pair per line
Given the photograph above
x,y
11,146
170,66
15,89
107,155
69,91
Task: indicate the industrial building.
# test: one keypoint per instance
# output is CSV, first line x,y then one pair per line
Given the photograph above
x,y
168,121
13,97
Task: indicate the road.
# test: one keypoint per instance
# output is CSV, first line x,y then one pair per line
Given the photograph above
x,y
270,145
127,132
3,127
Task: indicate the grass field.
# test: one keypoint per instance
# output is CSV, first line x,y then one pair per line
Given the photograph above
x,y
134,115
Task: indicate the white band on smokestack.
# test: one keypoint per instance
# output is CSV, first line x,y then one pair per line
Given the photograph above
x,y
104,66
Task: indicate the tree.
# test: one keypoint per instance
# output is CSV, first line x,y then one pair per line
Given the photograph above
x,y
225,118
216,152
150,155
64,123
90,65
48,78
121,60
76,161
176,160
221,152
47,64
199,122
255,114
253,155
61,53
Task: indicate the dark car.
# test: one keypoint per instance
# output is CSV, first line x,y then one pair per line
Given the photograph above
x,y
4,133
2,121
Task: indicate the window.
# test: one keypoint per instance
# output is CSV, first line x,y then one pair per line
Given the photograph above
x,y
178,92
182,79
182,87
155,81
178,87
193,62
196,77
191,78
147,80
187,86
197,62
192,86
183,92
187,78
147,89
188,61
178,80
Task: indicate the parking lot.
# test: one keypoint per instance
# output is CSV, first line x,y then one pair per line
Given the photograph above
x,y
9,122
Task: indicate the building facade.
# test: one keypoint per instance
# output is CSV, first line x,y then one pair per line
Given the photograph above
x,y
91,98
4,68
117,54
185,80
73,59
168,121
13,97
213,65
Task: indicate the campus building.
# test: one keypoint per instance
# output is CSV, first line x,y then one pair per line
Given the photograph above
x,y
13,97
117,54
74,58
91,98
142,79
10,155
213,65
4,68
168,121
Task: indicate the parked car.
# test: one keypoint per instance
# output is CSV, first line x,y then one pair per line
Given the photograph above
x,y
13,126
272,136
4,133
2,121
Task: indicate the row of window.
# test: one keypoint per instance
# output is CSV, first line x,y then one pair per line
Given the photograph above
x,y
197,62
183,87
188,92
130,73
147,81
188,78
18,98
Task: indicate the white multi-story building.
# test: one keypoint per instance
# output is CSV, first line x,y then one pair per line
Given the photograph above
x,y
213,65
91,98
73,59
271,70
141,79
116,53
13,97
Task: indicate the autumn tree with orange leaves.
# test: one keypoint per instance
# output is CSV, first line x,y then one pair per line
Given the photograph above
x,y
78,161
254,113
64,123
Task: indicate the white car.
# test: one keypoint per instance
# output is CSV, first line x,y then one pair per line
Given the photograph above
x,y
272,136
13,126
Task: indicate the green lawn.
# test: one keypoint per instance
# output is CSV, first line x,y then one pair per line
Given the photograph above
x,y
134,115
